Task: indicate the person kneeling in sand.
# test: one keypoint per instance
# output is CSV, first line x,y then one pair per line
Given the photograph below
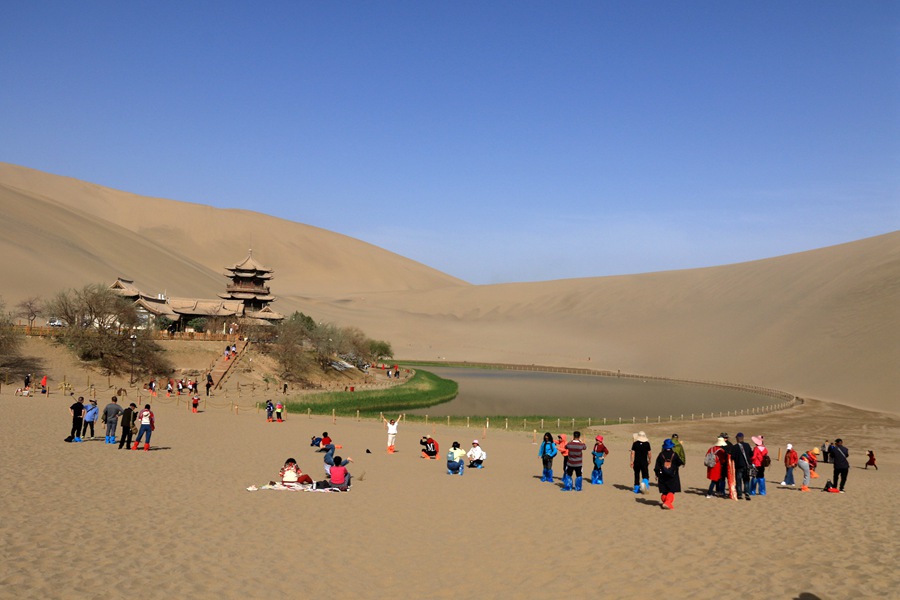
x,y
455,465
476,455
291,475
429,447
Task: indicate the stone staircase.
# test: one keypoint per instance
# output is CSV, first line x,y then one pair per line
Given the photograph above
x,y
223,368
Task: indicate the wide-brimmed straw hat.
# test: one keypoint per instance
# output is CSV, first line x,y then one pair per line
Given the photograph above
x,y
721,442
815,450
641,436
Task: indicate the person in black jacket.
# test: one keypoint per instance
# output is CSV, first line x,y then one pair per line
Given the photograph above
x,y
129,416
839,456
740,455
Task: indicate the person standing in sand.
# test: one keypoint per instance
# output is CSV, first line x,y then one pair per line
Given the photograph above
x,y
641,454
561,441
840,456
148,426
129,418
112,411
90,418
547,452
77,412
392,432
719,472
790,462
740,456
667,478
576,450
599,454
679,448
760,460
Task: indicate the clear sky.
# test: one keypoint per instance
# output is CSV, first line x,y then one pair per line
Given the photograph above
x,y
495,141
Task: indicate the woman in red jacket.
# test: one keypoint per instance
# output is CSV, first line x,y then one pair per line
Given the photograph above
x,y
718,473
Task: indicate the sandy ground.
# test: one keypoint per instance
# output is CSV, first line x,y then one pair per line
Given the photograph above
x,y
177,521
88,520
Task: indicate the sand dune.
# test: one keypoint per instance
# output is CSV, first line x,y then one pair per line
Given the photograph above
x,y
823,323
86,519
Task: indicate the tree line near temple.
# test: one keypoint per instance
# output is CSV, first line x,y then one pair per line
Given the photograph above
x,y
101,323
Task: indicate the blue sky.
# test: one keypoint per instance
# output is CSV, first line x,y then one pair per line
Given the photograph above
x,y
495,141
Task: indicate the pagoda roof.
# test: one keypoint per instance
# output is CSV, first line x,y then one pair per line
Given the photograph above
x,y
248,265
264,313
125,287
247,296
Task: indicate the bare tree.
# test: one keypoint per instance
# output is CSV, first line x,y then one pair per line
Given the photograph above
x,y
10,339
30,308
101,324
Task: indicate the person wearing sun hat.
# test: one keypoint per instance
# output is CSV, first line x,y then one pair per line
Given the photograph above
x,y
807,464
666,471
759,460
641,454
790,461
476,455
599,453
718,473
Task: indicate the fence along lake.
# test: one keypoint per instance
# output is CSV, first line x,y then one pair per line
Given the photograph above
x,y
488,392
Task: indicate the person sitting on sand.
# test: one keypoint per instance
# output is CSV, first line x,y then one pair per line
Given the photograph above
x,y
430,447
666,470
871,461
325,441
455,464
340,476
476,455
807,464
291,475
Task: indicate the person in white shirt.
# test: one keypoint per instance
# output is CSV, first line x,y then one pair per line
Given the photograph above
x,y
392,432
476,456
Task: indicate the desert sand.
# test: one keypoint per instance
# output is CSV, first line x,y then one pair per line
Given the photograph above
x,y
81,520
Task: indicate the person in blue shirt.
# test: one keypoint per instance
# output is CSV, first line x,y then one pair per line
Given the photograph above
x,y
91,412
547,451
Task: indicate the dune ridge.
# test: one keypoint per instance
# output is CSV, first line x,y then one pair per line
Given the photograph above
x,y
822,323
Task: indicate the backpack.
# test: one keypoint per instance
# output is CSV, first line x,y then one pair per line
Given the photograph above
x,y
766,461
668,467
710,460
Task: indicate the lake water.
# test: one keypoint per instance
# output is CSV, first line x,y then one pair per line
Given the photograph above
x,y
486,392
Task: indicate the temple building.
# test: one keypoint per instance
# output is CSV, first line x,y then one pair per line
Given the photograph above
x,y
245,301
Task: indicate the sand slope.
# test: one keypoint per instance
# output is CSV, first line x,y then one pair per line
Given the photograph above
x,y
822,323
